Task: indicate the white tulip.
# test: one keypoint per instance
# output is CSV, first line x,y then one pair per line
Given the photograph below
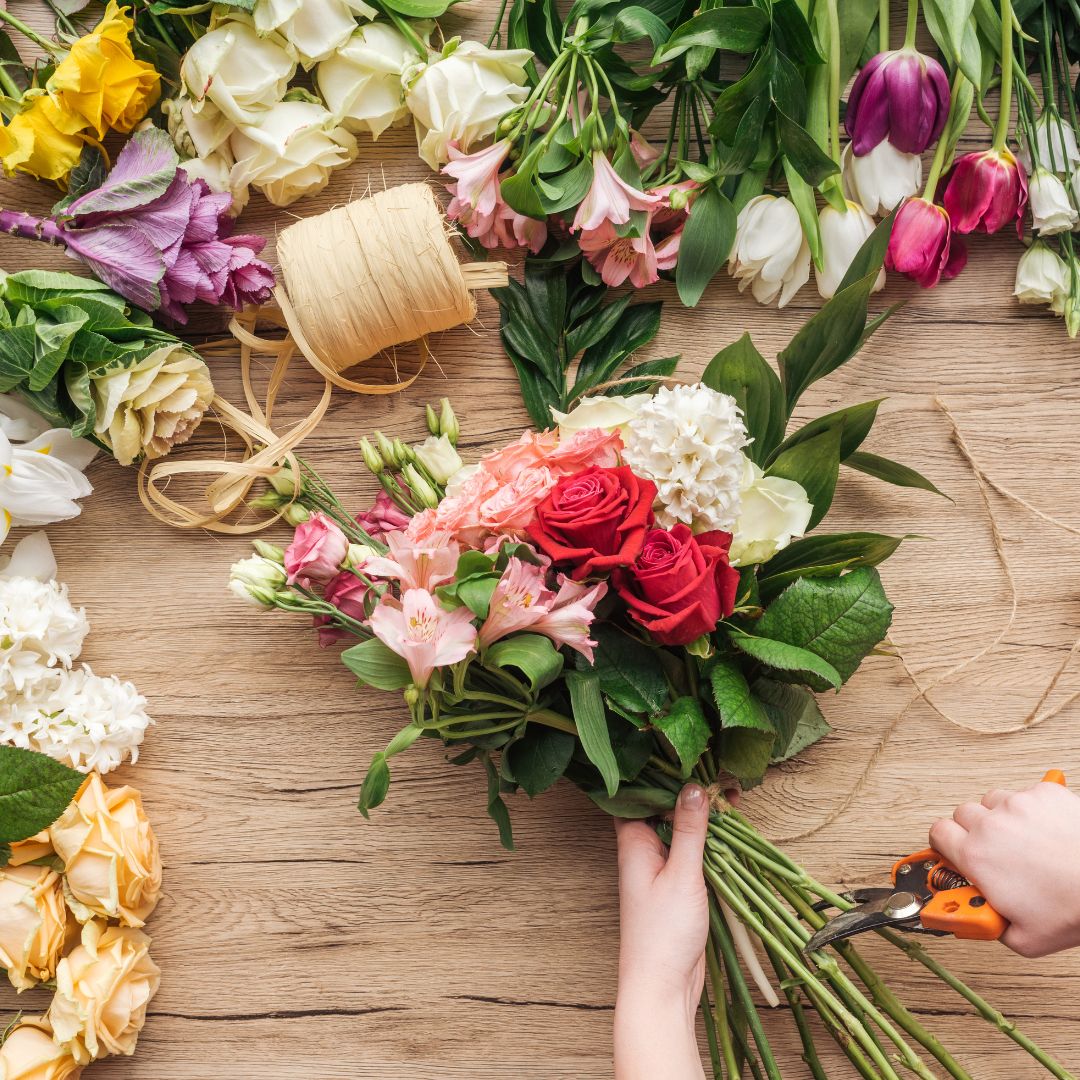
x,y
1042,278
774,512
463,94
770,253
1051,209
291,152
438,457
605,413
881,180
235,69
315,28
842,234
361,85
1052,145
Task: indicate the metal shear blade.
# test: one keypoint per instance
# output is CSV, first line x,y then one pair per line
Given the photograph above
x,y
877,907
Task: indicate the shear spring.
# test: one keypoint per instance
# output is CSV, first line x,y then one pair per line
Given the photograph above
x,y
944,879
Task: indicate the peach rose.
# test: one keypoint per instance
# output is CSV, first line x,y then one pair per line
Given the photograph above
x,y
26,851
102,990
513,506
532,449
33,923
589,446
31,1053
110,854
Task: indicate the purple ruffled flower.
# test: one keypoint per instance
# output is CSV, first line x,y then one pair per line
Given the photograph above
x,y
902,96
157,238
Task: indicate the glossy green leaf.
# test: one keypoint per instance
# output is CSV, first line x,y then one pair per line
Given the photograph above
x,y
634,802
496,808
634,22
34,791
685,727
892,472
706,241
747,734
588,706
643,378
854,424
802,151
796,37
825,554
533,655
815,464
539,758
629,671
376,665
794,713
791,659
805,200
601,360
739,30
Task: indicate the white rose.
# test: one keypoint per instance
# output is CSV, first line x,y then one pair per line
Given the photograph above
x,y
315,28
238,71
774,512
216,171
770,253
291,151
842,234
361,85
1051,209
882,179
463,94
1042,278
438,457
197,131
605,413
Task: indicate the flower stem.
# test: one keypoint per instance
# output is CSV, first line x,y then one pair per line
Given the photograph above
x,y
912,24
496,30
1001,131
942,149
798,1014
723,1029
552,720
834,79
710,1034
406,30
49,46
883,26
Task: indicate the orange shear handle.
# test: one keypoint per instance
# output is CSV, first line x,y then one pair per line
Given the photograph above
x,y
961,910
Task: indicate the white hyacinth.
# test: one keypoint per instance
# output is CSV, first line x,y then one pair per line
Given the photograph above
x,y
688,440
79,718
40,630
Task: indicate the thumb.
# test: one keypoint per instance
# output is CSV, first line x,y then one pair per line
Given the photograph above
x,y
688,833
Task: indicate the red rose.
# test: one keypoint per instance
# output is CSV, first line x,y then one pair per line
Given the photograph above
x,y
681,585
594,520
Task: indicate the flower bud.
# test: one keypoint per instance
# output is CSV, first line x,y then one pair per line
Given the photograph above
x,y
269,500
678,198
271,552
402,453
386,448
1042,277
284,481
421,490
256,573
432,419
295,514
438,458
448,422
986,191
372,458
922,245
356,555
412,695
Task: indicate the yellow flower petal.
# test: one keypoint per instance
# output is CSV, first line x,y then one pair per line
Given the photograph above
x,y
42,140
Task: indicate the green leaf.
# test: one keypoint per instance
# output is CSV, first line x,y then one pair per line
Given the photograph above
x,y
526,333
645,376
34,791
419,9
796,35
633,23
520,190
803,152
747,734
540,757
951,25
376,665
856,23
824,555
629,671
741,371
496,808
375,786
597,325
854,424
707,237
588,706
602,359
734,101
805,200
5,854
739,30
892,472
634,802
815,464
571,186
795,715
533,655
685,727
539,396
788,658
841,619
633,746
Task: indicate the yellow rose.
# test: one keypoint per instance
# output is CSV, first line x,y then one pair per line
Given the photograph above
x,y
37,847
110,854
33,923
102,990
30,1053
42,140
101,81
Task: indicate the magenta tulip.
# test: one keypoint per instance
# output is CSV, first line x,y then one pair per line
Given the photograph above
x,y
986,190
901,96
922,244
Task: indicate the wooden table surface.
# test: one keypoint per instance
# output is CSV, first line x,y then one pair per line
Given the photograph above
x,y
299,941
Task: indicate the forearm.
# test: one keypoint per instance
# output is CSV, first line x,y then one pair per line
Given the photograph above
x,y
655,1035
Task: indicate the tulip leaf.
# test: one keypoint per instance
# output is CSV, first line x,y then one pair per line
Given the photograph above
x,y
802,151
538,758
739,30
733,102
858,20
587,702
805,200
375,664
951,25
34,791
815,464
706,241
809,667
685,727
854,423
892,472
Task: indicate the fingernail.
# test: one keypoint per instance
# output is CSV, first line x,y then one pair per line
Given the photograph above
x,y
692,797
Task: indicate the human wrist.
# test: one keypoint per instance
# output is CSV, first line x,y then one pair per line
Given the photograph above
x,y
652,995
655,1036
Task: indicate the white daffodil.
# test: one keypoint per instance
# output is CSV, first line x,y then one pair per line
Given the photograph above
x,y
1052,210
774,512
316,29
882,179
770,253
41,470
842,234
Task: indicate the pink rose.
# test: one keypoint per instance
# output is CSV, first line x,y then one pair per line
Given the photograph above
x,y
532,449
385,516
587,447
346,592
316,552
513,506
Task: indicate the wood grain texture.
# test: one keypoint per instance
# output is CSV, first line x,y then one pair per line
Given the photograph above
x,y
300,942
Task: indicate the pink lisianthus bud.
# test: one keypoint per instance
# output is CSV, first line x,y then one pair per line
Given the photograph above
x,y
317,551
986,190
347,593
922,244
902,96
383,517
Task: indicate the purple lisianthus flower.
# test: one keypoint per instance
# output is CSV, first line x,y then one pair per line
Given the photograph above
x,y
902,96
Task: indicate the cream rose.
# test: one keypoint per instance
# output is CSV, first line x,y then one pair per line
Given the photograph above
x,y
31,1053
27,851
774,512
102,990
110,854
153,405
605,413
33,923
316,29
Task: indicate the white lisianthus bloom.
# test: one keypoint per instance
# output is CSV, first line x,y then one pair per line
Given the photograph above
x,y
438,457
842,234
316,29
1052,145
606,413
236,70
774,512
1042,277
688,440
291,152
462,94
882,179
88,722
1051,209
42,477
361,84
255,579
770,253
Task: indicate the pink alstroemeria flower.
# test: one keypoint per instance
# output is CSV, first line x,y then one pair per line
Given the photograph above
x,y
416,565
423,633
477,177
610,198
570,616
986,190
519,599
922,244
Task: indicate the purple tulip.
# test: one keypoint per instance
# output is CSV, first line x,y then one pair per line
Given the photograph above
x,y
157,238
902,96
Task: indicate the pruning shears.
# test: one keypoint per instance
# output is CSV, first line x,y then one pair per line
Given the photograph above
x,y
927,896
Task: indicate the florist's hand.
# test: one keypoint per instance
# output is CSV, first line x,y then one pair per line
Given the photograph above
x,y
1019,848
664,922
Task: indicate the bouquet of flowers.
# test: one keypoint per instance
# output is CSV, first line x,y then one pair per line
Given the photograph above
x,y
630,601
